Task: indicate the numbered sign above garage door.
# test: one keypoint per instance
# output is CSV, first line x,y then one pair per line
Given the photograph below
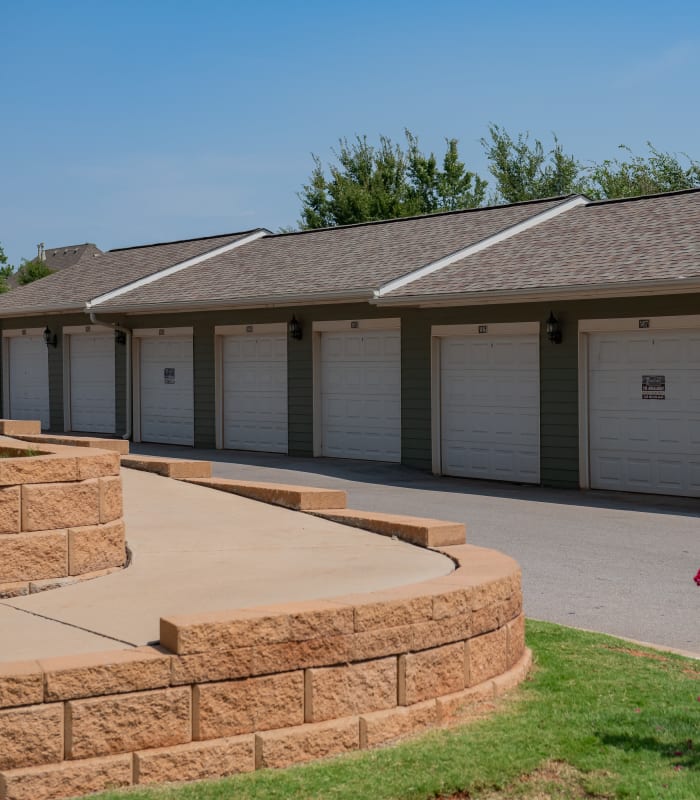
x,y
486,401
164,398
252,396
643,405
26,378
358,389
88,357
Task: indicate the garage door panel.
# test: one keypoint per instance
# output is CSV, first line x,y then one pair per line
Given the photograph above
x,y
167,390
255,393
490,419
29,379
92,383
637,443
360,383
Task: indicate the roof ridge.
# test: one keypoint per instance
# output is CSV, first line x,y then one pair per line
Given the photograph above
x,y
184,241
642,197
561,197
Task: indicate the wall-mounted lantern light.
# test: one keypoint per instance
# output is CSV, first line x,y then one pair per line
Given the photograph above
x,y
50,339
553,328
294,328
120,337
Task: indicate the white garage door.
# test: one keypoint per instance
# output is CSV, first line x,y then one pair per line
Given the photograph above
x,y
644,407
167,394
490,407
361,395
92,383
29,379
255,392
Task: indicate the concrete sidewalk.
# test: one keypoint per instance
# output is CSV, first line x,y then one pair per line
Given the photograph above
x,y
197,549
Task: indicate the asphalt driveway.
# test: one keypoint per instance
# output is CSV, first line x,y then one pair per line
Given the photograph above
x,y
617,563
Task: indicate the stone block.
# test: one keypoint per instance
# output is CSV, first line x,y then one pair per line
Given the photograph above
x,y
111,672
431,673
306,743
21,684
38,469
244,706
195,761
298,498
33,556
345,691
49,506
97,464
313,619
96,547
10,507
287,656
382,642
111,505
452,602
392,608
69,779
178,468
515,675
417,530
19,427
15,589
395,723
516,640
219,665
445,631
487,656
31,735
126,722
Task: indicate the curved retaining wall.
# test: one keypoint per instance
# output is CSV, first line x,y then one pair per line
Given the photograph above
x,y
235,691
60,515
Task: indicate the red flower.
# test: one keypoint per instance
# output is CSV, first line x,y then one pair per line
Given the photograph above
x,y
697,578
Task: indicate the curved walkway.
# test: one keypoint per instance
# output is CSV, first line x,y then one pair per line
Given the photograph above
x,y
196,549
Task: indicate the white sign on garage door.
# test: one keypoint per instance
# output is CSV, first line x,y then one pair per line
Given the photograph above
x,y
644,411
360,394
28,377
254,392
91,366
490,406
166,389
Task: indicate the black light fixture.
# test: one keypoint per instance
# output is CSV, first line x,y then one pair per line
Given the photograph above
x,y
120,337
553,328
294,328
50,339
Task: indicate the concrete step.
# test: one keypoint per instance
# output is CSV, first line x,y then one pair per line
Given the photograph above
x,y
298,498
179,468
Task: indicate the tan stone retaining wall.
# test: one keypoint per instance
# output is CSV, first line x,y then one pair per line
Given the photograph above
x,y
235,691
60,515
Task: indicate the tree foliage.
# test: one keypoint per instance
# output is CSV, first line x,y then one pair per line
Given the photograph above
x,y
367,182
387,181
526,171
30,271
5,271
638,175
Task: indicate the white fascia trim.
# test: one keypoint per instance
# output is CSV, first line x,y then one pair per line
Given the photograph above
x,y
253,329
589,292
9,333
360,295
164,273
489,241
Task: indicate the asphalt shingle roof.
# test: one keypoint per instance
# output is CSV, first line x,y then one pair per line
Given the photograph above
x,y
653,238
72,287
331,260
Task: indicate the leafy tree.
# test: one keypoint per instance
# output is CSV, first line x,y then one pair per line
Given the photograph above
x,y
30,271
5,271
385,182
638,175
525,171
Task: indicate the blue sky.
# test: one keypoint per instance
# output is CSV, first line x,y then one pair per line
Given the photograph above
x,y
129,122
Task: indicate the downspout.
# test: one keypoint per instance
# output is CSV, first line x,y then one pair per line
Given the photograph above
x,y
128,333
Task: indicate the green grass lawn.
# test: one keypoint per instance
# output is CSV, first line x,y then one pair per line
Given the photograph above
x,y
598,718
